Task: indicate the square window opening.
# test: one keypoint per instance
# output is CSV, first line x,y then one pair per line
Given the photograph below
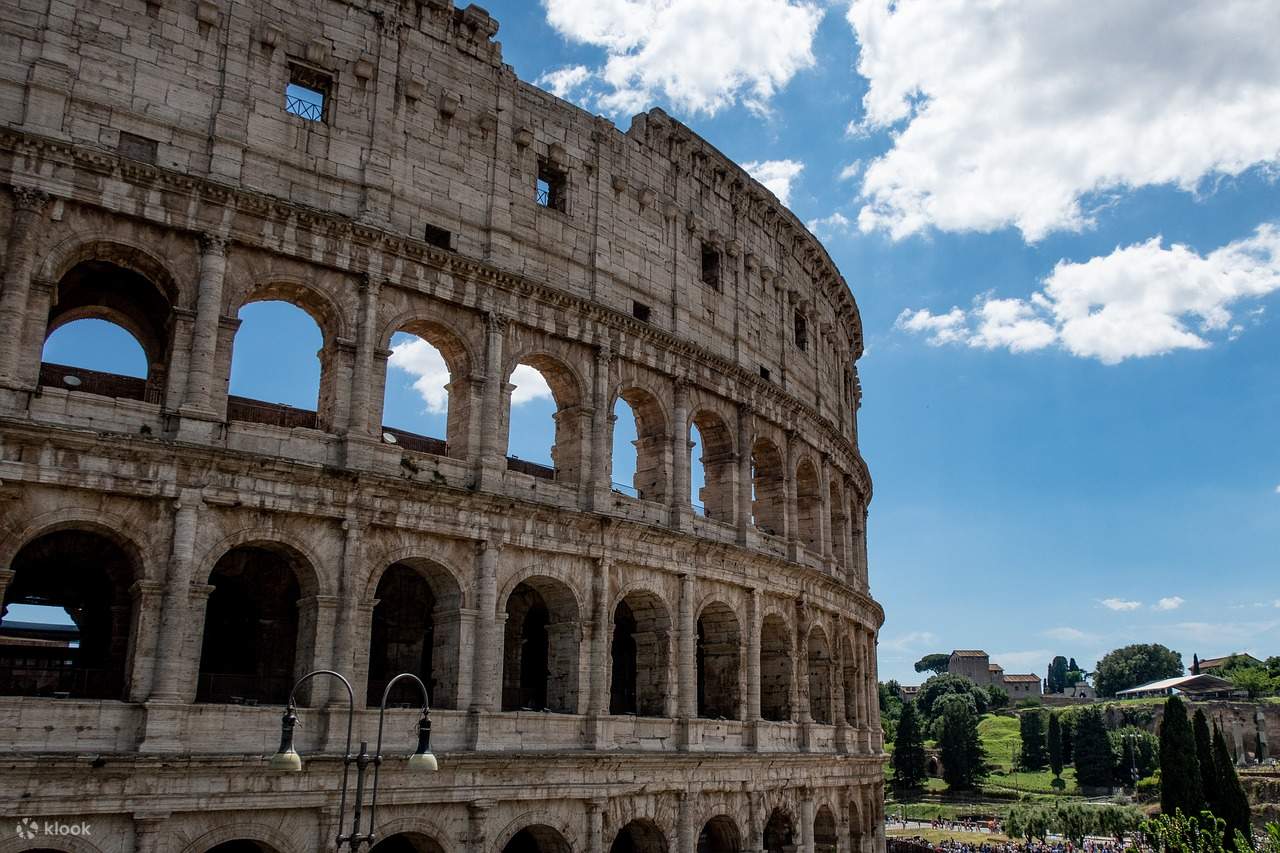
x,y
764,373
551,187
710,266
439,237
640,311
801,332
308,93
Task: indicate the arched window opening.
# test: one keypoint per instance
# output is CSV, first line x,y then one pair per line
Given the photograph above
x,y
719,835
540,649
824,831
712,470
639,836
66,618
779,836
279,370
418,409
640,446
768,495
415,629
775,670
537,839
808,506
849,679
820,672
242,845
858,838
718,662
839,527
407,842
125,311
640,656
547,428
250,629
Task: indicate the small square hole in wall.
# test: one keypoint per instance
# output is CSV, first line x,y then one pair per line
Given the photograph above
x,y
137,147
710,266
552,186
640,311
308,93
439,237
764,373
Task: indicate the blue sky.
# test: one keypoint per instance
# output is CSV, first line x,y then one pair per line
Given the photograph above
x,y
1062,228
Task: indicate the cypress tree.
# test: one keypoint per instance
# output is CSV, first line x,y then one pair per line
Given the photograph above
x,y
1068,745
1195,664
964,762
1031,725
1234,808
1055,745
1180,786
908,753
1204,755
1094,759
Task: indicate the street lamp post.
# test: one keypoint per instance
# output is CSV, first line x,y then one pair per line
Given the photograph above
x,y
287,759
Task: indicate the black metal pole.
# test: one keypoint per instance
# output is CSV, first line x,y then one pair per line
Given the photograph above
x,y
347,758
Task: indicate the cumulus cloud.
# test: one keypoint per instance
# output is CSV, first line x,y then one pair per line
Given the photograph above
x,y
430,375
848,173
1027,114
1140,300
776,175
1070,635
699,55
562,82
1173,602
1120,605
829,226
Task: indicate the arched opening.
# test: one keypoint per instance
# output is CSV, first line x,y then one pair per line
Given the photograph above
x,y
242,845
640,656
407,842
857,836
540,649
251,628
415,628
546,425
639,836
718,662
849,681
808,506
775,669
779,835
768,495
824,831
839,527
418,409
719,835
640,446
128,310
538,838
820,672
280,375
712,467
67,617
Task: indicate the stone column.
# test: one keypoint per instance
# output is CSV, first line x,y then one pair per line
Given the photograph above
x,y
477,826
686,832
347,620
28,209
806,820
873,686
168,686
466,640
802,663
599,703
361,420
680,508
492,464
149,835
485,684
595,824
688,664
145,613
744,474
204,341
792,533
753,659
601,431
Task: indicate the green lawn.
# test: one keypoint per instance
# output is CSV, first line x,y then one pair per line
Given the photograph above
x,y
1001,740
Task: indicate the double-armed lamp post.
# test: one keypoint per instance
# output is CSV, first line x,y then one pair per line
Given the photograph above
x,y
287,759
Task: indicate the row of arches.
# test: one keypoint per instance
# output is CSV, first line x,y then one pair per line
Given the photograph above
x,y
258,631
113,325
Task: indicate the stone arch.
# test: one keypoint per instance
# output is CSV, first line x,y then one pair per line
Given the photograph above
x,y
719,834
640,655
302,293
311,581
570,452
541,645
780,834
530,836
113,248
652,444
825,833
460,359
111,525
808,504
776,676
271,839
415,626
69,844
820,674
850,683
639,836
717,460
768,487
409,835
719,662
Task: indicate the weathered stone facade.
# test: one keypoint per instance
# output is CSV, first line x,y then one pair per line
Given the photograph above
x,y
156,180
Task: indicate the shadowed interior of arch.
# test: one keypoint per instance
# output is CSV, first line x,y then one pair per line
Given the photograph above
x,y
717,662
538,838
824,831
277,367
775,669
415,629
640,656
243,845
779,834
540,648
639,836
407,842
719,835
820,671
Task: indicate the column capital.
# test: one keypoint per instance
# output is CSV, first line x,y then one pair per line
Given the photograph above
x,y
29,199
213,244
495,322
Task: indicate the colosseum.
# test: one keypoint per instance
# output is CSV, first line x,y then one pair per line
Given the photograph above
x,y
631,669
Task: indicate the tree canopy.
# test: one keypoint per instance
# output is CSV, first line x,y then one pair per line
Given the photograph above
x,y
936,663
964,762
1094,759
1180,785
1056,681
941,685
1031,726
1133,665
908,753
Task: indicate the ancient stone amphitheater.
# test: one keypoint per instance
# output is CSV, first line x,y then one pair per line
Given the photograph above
x,y
612,668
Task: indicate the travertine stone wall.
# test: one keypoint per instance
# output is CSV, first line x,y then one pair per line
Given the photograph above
x,y
155,179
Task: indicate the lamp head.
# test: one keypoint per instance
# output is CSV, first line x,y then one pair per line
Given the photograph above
x,y
286,758
422,760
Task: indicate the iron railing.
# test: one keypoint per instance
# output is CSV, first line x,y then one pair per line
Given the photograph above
x,y
417,443
233,688
60,681
533,469
71,378
271,414
304,109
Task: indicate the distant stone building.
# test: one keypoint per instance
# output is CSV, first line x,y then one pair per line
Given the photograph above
x,y
1211,665
976,665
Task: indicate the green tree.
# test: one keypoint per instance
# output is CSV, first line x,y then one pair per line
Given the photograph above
x,y
1068,738
1180,787
1074,821
936,663
1136,749
1055,745
941,685
1031,727
1204,756
1254,679
964,763
908,754
1117,821
1233,804
1056,681
1133,665
1093,756
997,697
1029,822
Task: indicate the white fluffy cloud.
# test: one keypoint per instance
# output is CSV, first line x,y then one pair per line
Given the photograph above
x,y
829,226
1173,602
1140,300
700,55
1009,112
1120,605
776,175
424,363
1070,635
563,81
